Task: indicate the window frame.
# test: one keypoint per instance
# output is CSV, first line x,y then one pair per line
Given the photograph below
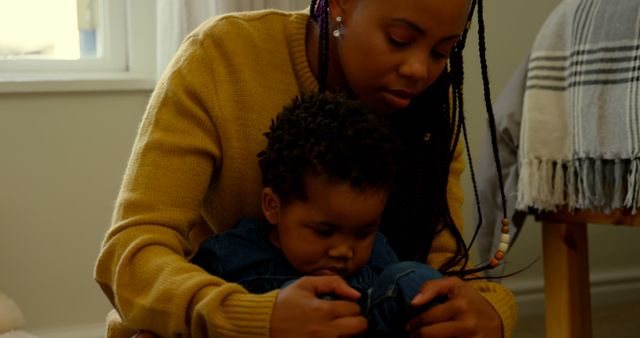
x,y
129,36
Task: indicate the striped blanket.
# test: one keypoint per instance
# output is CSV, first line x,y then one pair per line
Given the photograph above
x,y
580,131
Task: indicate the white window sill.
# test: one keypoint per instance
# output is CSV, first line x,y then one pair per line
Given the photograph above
x,y
43,83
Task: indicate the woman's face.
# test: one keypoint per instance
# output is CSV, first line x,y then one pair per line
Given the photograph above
x,y
390,51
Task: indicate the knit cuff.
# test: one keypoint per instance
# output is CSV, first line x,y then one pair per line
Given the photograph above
x,y
230,311
503,301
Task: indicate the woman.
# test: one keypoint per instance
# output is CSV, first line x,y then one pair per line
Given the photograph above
x,y
192,169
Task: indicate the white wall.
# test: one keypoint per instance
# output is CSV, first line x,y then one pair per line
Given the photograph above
x,y
63,154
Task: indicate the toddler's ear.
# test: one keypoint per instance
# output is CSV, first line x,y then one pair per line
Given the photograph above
x,y
270,205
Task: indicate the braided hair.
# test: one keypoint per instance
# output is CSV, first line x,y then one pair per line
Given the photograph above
x,y
427,145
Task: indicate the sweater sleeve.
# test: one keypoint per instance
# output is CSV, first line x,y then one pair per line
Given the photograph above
x,y
143,267
443,247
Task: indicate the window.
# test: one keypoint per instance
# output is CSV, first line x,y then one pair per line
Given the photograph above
x,y
75,41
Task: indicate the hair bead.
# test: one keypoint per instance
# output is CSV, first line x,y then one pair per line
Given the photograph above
x,y
503,246
505,238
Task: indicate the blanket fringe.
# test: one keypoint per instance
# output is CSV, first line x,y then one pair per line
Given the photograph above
x,y
596,184
633,186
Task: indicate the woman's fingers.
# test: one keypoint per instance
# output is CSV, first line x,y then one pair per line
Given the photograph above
x,y
300,311
437,314
350,326
334,285
436,287
442,330
466,313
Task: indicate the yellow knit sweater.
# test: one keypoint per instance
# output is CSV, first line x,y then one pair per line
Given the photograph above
x,y
193,171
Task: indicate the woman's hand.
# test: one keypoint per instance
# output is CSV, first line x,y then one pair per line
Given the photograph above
x,y
299,312
465,314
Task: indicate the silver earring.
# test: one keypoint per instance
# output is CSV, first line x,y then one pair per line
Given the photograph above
x,y
337,32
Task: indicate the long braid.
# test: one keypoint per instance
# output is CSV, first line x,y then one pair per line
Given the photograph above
x,y
487,99
313,10
492,131
322,15
458,125
457,70
475,193
462,252
457,119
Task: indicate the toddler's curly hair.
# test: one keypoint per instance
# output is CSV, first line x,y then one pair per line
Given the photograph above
x,y
331,136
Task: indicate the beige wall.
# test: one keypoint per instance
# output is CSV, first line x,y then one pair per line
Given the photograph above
x,y
63,154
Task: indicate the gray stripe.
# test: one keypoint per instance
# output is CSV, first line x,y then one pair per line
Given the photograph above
x,y
586,51
575,74
585,83
600,60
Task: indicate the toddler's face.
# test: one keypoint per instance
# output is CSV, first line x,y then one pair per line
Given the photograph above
x,y
333,231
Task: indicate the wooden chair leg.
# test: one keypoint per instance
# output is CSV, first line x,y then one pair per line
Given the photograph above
x,y
566,280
